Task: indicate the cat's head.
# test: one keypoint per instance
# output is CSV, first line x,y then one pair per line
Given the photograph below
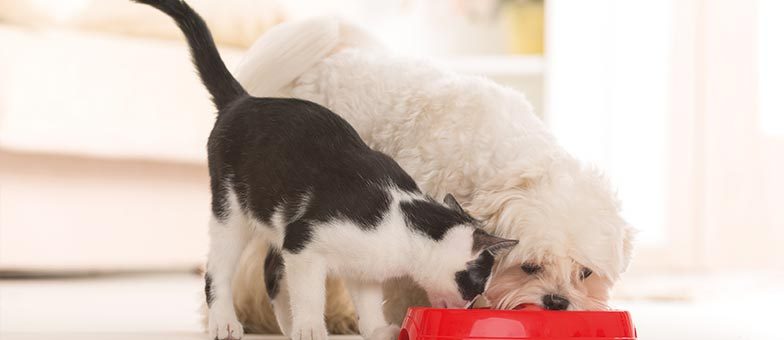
x,y
460,264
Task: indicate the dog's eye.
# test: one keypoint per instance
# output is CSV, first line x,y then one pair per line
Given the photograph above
x,y
530,268
585,273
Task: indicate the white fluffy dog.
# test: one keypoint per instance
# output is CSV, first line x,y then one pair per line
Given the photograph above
x,y
454,134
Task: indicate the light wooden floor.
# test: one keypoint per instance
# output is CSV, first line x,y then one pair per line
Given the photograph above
x,y
166,307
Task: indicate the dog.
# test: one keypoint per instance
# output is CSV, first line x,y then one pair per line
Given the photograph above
x,y
454,134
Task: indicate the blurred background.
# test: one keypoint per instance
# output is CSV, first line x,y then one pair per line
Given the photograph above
x,y
103,125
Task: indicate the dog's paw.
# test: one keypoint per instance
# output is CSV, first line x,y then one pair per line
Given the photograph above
x,y
224,327
309,332
390,332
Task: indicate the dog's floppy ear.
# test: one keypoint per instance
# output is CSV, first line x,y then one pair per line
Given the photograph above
x,y
451,202
490,243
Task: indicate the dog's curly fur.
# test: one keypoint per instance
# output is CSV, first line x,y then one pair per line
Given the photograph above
x,y
453,133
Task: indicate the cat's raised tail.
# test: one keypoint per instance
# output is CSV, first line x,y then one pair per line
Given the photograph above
x,y
221,84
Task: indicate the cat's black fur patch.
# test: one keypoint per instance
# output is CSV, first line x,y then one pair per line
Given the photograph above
x,y
208,289
219,199
431,218
297,235
272,152
472,281
273,272
365,209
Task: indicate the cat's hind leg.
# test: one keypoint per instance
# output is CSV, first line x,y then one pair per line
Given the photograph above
x,y
228,238
368,300
305,276
277,289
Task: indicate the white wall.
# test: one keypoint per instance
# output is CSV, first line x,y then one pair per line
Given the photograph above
x,y
666,96
67,213
743,216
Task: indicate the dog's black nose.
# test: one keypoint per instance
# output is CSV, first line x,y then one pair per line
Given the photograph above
x,y
555,302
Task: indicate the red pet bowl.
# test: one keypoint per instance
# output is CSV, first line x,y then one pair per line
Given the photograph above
x,y
454,324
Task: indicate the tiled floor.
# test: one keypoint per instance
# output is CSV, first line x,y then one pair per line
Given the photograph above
x,y
166,307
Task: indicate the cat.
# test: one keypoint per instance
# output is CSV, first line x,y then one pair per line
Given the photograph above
x,y
298,175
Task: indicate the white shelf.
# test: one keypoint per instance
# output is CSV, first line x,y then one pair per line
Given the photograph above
x,y
497,65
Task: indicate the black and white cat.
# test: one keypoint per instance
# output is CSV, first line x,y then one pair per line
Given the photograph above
x,y
298,175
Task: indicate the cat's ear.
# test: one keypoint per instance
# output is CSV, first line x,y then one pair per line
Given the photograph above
x,y
493,244
451,202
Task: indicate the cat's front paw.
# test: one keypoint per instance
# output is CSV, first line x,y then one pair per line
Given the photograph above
x,y
309,332
223,327
390,332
